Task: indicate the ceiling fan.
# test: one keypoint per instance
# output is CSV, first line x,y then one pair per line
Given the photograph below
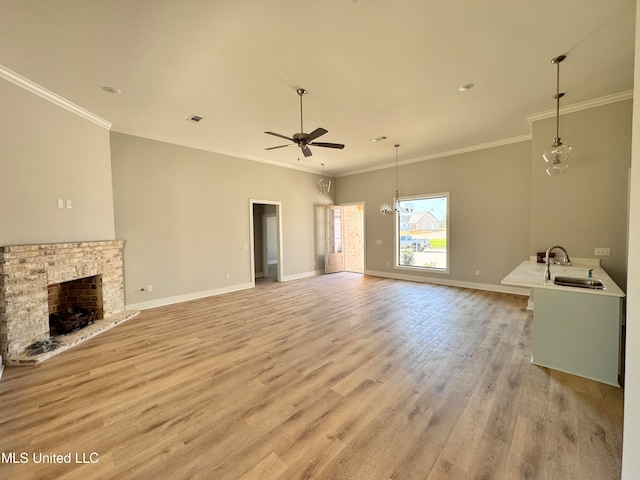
x,y
304,140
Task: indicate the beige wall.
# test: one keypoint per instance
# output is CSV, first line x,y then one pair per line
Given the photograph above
x,y
489,210
631,442
503,206
48,153
587,207
185,217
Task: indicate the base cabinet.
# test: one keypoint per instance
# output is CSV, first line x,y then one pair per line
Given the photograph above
x,y
578,333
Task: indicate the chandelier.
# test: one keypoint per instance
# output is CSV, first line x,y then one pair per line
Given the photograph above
x,y
395,208
324,184
557,155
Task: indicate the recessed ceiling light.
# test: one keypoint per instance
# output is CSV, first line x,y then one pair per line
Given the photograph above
x,y
194,118
111,90
378,139
465,87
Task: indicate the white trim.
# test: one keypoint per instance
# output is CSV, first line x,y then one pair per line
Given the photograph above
x,y
252,246
470,148
206,148
414,268
299,276
451,283
54,98
161,302
596,102
576,107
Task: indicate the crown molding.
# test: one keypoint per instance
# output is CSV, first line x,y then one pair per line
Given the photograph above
x,y
449,153
42,92
576,107
197,146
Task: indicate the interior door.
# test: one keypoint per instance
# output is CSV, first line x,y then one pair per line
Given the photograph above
x,y
334,245
269,243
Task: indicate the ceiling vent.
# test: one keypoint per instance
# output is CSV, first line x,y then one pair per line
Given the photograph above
x,y
194,119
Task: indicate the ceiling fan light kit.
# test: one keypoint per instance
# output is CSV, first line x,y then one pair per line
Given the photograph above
x,y
304,140
557,155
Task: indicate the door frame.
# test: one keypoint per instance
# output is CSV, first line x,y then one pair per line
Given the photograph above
x,y
363,232
328,239
280,255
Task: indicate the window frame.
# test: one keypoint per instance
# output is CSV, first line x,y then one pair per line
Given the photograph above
x,y
417,268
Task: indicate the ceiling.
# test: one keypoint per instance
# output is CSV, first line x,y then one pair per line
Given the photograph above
x,y
372,68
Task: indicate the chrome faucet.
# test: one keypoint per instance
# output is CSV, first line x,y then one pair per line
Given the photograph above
x,y
547,262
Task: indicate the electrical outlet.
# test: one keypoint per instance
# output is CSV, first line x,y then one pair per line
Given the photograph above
x,y
149,288
227,276
477,273
603,252
69,205
60,203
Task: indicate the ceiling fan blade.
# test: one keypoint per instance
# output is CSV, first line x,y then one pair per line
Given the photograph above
x,y
315,134
281,146
305,151
278,135
327,145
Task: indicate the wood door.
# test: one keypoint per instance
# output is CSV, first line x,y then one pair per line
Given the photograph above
x,y
334,245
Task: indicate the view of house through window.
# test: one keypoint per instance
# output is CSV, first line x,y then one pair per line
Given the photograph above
x,y
422,234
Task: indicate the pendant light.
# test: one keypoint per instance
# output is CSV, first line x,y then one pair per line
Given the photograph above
x,y
324,184
557,155
395,208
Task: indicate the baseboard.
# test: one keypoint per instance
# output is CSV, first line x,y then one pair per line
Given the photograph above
x,y
298,276
451,283
161,302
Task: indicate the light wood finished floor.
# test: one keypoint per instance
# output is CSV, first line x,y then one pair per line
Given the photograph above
x,y
339,376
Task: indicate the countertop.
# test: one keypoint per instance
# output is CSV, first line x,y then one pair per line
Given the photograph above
x,y
531,274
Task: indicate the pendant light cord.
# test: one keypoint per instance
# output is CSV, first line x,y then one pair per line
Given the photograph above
x,y
558,99
397,168
557,60
301,125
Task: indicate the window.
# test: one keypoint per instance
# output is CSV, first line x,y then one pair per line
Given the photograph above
x,y
422,237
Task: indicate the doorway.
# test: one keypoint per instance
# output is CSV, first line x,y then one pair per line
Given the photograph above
x,y
344,244
266,241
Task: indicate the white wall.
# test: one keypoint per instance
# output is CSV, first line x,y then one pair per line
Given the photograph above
x,y
47,153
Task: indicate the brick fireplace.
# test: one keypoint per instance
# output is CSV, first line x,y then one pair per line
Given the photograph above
x,y
37,278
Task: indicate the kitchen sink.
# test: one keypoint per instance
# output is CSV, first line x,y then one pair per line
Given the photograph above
x,y
580,282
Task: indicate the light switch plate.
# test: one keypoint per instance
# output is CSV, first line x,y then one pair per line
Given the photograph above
x,y
60,203
603,252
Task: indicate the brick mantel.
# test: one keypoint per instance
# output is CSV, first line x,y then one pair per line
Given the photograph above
x,y
27,270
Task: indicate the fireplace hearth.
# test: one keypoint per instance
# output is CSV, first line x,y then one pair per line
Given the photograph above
x,y
39,280
44,346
